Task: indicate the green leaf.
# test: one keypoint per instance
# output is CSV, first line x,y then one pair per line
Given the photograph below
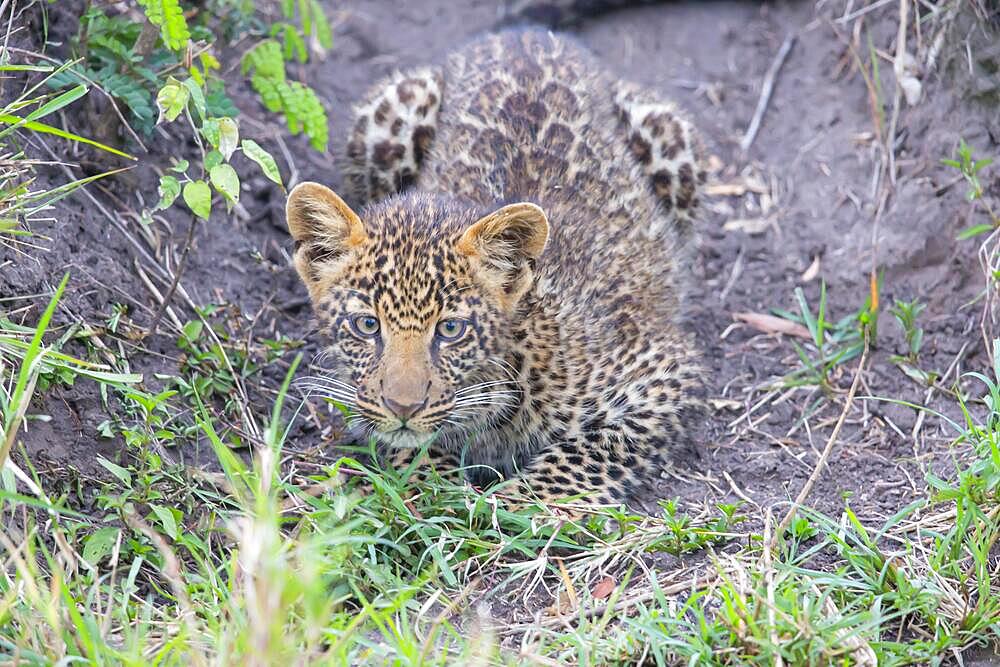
x,y
264,159
210,130
180,167
31,501
266,60
192,332
197,96
123,475
26,68
322,26
217,103
99,544
167,520
169,17
171,100
229,137
304,113
269,90
807,317
226,181
139,101
35,126
974,231
198,197
169,190
212,160
305,17
59,102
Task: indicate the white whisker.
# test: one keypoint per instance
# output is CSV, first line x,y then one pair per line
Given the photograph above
x,y
326,379
484,385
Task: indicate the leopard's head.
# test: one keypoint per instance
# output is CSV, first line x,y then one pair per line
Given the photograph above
x,y
420,297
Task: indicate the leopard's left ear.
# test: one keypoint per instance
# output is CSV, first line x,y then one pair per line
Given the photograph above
x,y
504,246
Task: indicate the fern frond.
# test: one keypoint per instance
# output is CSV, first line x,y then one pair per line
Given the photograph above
x,y
298,102
313,115
112,45
168,16
269,91
305,113
133,95
322,26
265,60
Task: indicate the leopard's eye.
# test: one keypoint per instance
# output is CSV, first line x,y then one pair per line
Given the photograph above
x,y
365,325
451,329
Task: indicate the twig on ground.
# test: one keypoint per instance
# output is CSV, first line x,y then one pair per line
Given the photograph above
x,y
825,456
177,278
847,18
930,391
740,493
897,100
734,275
157,295
766,91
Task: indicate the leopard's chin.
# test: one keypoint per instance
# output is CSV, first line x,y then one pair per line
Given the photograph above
x,y
405,437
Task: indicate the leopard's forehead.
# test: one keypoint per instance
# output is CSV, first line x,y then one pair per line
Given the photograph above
x,y
409,269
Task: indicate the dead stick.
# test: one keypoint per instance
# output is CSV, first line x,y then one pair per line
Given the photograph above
x,y
899,70
176,280
766,91
825,456
930,392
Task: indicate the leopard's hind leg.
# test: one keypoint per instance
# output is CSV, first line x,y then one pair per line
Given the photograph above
x,y
671,155
392,132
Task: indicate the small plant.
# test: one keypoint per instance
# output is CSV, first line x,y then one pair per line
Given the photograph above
x,y
218,139
970,167
297,102
836,342
683,534
906,313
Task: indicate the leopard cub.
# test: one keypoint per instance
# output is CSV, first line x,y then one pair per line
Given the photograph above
x,y
511,290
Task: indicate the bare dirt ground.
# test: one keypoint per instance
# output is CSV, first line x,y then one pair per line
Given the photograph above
x,y
810,186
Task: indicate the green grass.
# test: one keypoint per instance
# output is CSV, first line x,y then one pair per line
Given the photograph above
x,y
257,563
20,200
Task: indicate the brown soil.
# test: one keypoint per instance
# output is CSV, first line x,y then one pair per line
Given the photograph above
x,y
814,156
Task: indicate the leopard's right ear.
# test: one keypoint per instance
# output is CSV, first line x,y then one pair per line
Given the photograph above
x,y
326,231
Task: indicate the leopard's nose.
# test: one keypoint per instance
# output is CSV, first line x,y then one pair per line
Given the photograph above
x,y
403,410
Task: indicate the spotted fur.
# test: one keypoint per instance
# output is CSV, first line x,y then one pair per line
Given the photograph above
x,y
551,214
